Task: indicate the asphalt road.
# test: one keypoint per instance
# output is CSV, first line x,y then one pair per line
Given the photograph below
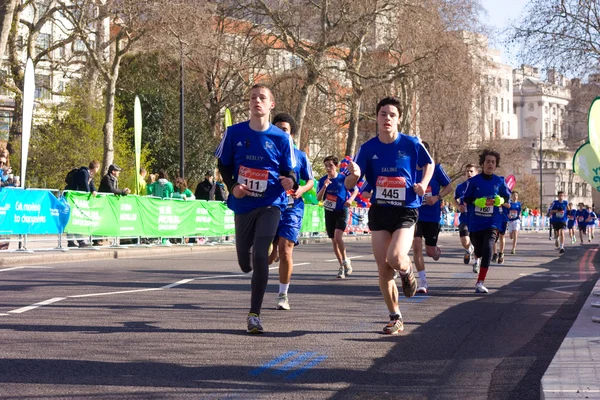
x,y
174,327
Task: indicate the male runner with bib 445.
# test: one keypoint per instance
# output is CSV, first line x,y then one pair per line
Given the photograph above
x,y
256,160
389,162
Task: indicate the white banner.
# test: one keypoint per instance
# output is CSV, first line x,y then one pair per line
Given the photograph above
x,y
28,96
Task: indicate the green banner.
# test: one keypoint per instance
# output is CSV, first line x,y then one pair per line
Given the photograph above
x,y
130,216
586,161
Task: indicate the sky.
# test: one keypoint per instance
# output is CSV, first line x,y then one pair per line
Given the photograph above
x,y
499,15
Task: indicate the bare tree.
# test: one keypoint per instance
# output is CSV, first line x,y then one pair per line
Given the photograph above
x,y
7,10
563,34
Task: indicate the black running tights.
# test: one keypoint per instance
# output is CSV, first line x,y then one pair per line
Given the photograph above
x,y
483,242
254,232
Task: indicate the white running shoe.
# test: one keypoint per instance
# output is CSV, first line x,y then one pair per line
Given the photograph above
x,y
422,288
341,274
283,302
347,267
476,266
479,288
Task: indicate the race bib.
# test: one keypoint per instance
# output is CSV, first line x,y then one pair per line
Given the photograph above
x,y
513,214
571,217
486,211
427,194
580,219
330,202
391,189
560,214
255,179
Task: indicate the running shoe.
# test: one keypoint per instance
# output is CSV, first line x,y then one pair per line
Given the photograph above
x,y
562,250
283,302
500,258
254,325
394,327
422,288
573,240
479,288
476,266
592,235
341,274
494,257
550,237
468,253
347,267
438,253
556,243
513,251
409,283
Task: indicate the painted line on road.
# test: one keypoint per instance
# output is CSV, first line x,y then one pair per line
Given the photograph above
x,y
555,289
169,286
273,362
349,258
294,363
23,267
415,299
312,363
36,305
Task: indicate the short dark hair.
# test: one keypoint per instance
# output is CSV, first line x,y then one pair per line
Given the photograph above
x,y
263,86
515,192
470,165
334,159
94,164
285,117
426,145
488,152
560,192
162,174
389,101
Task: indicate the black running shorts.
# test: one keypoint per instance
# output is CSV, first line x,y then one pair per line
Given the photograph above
x,y
557,226
335,220
428,230
463,230
391,218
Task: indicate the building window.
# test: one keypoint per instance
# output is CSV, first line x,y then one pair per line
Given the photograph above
x,y
546,129
5,121
507,107
570,189
577,189
508,128
502,105
562,186
43,87
495,104
500,82
508,85
546,110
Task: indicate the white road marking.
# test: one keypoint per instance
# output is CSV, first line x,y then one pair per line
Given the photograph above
x,y
169,286
555,289
23,267
36,305
349,258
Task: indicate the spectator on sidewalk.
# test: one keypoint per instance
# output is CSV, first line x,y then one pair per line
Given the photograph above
x,y
220,190
110,182
206,189
140,188
5,170
181,190
82,181
162,187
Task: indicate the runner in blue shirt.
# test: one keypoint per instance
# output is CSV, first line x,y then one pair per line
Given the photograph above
x,y
514,220
463,226
558,220
581,216
336,200
571,218
592,223
428,224
499,256
256,160
389,161
485,194
291,216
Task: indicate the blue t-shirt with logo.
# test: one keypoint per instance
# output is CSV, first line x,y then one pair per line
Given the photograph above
x,y
431,213
459,194
581,216
303,171
514,212
257,158
593,218
561,211
485,186
391,169
572,216
336,193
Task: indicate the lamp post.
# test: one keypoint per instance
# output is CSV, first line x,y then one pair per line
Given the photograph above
x,y
541,176
181,119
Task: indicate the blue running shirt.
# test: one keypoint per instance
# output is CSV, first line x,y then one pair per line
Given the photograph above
x,y
593,216
481,218
303,171
514,212
439,180
257,159
391,169
459,195
581,216
336,193
561,214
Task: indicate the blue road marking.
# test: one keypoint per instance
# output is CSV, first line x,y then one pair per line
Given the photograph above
x,y
294,363
273,363
312,363
417,299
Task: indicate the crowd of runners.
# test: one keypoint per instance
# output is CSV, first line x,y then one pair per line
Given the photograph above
x,y
266,176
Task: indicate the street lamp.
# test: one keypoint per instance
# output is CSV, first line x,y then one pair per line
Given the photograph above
x,y
540,167
181,114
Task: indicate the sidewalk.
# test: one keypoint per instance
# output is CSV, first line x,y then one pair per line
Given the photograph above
x,y
574,372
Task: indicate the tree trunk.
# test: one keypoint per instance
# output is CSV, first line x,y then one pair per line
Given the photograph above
x,y
311,80
354,122
7,9
109,119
